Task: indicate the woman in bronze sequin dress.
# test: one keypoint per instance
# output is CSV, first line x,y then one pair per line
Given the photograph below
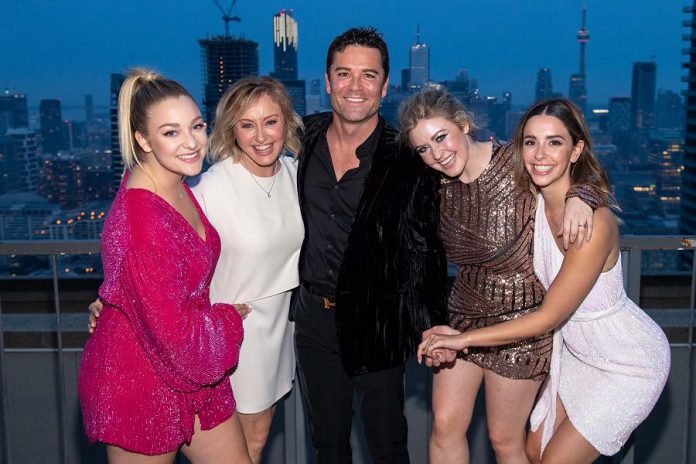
x,y
487,226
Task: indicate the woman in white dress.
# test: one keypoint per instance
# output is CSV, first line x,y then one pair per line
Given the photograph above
x,y
610,361
249,194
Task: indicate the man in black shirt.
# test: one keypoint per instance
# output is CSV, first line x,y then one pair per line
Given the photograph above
x,y
372,268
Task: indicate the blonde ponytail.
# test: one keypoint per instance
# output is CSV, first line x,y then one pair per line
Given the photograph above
x,y
141,89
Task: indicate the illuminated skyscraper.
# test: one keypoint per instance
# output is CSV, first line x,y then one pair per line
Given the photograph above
x,y
578,86
116,161
687,222
285,45
226,59
419,62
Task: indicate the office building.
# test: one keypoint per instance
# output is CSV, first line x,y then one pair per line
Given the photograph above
x,y
544,85
285,40
21,161
51,125
285,44
419,59
669,110
226,59
620,123
116,161
687,221
643,84
89,111
666,155
13,111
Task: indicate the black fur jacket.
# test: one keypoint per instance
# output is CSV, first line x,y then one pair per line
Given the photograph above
x,y
392,284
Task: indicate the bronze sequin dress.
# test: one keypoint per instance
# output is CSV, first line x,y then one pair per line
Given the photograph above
x,y
488,232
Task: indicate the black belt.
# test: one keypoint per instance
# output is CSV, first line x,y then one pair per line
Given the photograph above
x,y
329,302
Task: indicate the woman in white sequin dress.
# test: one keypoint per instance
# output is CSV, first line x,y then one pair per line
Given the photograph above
x,y
610,361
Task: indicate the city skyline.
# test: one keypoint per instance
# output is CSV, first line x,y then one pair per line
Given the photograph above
x,y
501,43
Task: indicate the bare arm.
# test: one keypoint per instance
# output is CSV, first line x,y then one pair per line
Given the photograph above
x,y
577,276
578,222
581,202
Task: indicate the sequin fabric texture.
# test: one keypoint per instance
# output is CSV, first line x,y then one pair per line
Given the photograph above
x,y
610,360
487,227
161,351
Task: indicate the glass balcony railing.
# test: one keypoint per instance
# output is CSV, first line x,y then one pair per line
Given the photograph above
x,y
45,288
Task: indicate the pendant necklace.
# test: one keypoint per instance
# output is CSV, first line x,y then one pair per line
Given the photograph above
x,y
270,189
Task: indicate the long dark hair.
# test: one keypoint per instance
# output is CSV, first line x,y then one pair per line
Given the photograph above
x,y
587,169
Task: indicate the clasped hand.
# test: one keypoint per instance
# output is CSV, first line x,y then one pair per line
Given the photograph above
x,y
439,345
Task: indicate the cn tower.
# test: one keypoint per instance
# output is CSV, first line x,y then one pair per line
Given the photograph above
x,y
578,83
583,37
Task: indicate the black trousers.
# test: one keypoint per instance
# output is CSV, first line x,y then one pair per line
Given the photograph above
x,y
328,392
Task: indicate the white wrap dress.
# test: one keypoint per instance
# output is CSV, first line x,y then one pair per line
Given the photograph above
x,y
610,361
260,246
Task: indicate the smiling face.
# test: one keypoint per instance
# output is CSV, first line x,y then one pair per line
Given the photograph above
x,y
176,140
260,134
442,145
548,151
356,82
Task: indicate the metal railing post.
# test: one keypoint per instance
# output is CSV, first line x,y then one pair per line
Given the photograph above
x,y
690,366
4,423
632,276
635,255
61,368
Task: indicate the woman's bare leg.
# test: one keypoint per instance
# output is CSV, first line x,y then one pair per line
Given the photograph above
x,y
508,404
116,455
567,446
223,444
256,428
454,394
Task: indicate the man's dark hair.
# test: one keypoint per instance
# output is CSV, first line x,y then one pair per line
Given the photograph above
x,y
362,37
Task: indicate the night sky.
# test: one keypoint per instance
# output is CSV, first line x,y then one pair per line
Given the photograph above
x,y
65,49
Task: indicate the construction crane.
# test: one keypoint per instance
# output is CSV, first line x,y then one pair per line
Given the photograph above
x,y
226,15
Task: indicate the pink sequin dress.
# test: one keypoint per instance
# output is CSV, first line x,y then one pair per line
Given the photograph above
x,y
161,352
610,360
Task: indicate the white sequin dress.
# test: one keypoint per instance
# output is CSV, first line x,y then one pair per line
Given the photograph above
x,y
610,360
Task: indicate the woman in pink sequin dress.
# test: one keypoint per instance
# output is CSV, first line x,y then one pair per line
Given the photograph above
x,y
610,361
153,378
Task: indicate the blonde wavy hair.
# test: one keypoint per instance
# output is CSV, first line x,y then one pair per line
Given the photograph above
x,y
236,101
429,104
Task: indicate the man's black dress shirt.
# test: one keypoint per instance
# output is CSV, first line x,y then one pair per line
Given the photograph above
x,y
330,206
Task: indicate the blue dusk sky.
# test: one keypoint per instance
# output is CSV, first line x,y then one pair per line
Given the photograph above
x,y
66,49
